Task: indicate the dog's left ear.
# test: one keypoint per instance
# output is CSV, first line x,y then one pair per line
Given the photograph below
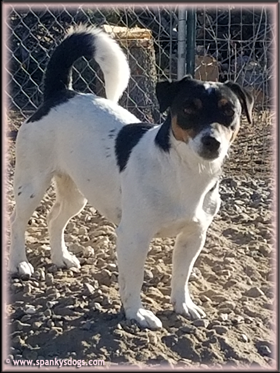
x,y
246,98
167,90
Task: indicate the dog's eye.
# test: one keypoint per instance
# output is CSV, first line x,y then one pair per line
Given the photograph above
x,y
229,112
189,110
192,106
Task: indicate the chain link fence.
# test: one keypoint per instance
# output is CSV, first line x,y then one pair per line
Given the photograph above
x,y
231,43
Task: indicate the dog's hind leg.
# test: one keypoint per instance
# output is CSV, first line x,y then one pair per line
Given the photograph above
x,y
69,202
28,193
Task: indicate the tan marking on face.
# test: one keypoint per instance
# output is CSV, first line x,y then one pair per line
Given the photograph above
x,y
179,133
222,102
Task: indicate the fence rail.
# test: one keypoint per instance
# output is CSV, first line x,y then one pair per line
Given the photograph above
x,y
231,43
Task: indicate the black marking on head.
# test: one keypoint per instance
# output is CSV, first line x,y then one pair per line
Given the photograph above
x,y
246,98
127,139
32,196
162,139
19,193
19,187
58,99
196,106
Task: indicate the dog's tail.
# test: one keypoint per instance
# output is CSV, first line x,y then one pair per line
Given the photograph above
x,y
89,43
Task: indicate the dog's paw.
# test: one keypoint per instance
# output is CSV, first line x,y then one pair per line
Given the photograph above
x,y
66,259
22,269
145,318
188,309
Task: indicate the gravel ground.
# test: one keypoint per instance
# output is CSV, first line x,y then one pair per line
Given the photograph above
x,y
77,313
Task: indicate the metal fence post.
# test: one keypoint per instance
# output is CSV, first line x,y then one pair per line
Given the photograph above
x,y
191,42
181,62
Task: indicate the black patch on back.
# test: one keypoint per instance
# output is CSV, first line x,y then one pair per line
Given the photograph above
x,y
162,139
58,99
127,138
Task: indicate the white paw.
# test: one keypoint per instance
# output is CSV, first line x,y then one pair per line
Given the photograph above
x,y
145,318
188,309
66,259
22,269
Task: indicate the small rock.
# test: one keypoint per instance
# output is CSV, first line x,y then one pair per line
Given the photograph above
x,y
27,288
87,325
152,337
237,319
21,326
204,298
29,309
82,231
51,304
264,350
148,274
254,292
201,323
50,323
89,289
244,338
76,249
48,313
195,274
223,317
37,325
49,279
189,329
97,306
230,305
25,318
220,329
53,268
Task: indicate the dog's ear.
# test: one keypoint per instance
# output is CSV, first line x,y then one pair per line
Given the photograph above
x,y
167,90
246,98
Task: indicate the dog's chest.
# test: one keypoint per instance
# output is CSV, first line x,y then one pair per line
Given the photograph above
x,y
190,211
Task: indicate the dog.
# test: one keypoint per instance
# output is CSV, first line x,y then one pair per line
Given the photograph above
x,y
149,180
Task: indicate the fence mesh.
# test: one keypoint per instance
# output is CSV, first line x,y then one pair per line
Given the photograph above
x,y
231,43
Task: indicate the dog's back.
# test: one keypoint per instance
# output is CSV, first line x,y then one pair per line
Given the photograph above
x,y
70,138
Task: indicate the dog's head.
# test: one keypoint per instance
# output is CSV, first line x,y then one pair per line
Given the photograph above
x,y
205,115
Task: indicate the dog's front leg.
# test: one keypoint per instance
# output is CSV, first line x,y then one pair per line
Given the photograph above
x,y
132,249
186,250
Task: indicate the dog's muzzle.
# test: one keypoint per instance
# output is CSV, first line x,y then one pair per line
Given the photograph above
x,y
210,147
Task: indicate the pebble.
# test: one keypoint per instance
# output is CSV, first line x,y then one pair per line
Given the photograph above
x,y
230,305
264,350
152,338
254,292
21,326
220,329
244,338
27,288
89,289
201,323
49,279
25,318
29,309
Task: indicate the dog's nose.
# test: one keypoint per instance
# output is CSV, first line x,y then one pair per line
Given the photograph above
x,y
210,143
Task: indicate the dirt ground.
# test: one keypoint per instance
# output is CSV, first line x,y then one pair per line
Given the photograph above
x,y
77,314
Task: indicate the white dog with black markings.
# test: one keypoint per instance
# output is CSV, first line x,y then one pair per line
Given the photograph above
x,y
150,180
